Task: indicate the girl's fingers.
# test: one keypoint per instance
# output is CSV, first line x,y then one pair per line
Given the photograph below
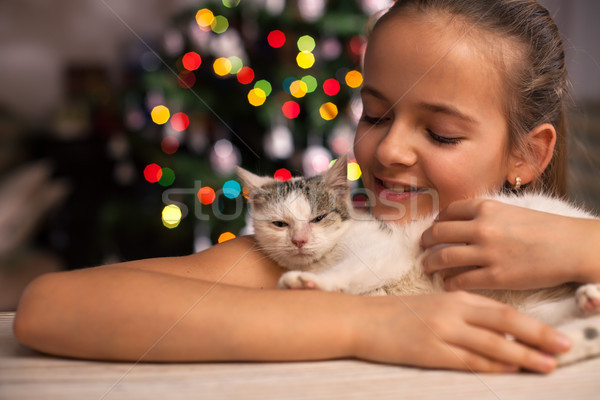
x,y
496,346
460,210
451,257
447,232
459,358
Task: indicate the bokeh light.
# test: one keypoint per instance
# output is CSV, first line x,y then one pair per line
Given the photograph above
x,y
354,79
206,195
305,59
245,75
191,61
311,83
328,111
287,83
171,216
276,38
160,115
282,175
257,97
167,178
265,86
315,160
180,121
231,189
357,45
152,173
306,43
236,64
290,109
186,79
331,87
353,171
169,145
220,24
205,18
298,89
279,142
225,236
222,66
231,3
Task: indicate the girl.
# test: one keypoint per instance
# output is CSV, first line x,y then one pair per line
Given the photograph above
x,y
460,97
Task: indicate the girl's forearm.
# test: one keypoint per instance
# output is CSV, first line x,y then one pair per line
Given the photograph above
x,y
125,314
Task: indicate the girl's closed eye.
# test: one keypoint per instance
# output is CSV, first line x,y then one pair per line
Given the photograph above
x,y
373,120
443,139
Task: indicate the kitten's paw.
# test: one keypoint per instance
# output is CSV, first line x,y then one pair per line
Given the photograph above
x,y
301,280
588,299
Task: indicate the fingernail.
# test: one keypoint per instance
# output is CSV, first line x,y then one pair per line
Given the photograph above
x,y
546,362
563,341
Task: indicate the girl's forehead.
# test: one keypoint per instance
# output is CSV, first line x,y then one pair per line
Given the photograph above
x,y
440,61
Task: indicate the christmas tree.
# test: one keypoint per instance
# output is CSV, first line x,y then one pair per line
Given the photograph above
x,y
271,85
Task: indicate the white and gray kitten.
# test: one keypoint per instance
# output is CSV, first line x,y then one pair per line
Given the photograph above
x,y
308,226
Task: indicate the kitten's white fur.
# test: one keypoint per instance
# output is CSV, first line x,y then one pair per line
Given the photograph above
x,y
360,255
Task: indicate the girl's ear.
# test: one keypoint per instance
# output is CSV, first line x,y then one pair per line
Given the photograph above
x,y
538,154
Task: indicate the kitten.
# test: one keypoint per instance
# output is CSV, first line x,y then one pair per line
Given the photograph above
x,y
309,226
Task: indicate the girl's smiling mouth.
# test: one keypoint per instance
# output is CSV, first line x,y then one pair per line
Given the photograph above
x,y
397,191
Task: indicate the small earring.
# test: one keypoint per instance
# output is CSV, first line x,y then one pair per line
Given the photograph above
x,y
517,185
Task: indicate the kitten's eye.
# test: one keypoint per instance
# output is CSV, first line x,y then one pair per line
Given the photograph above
x,y
319,218
280,224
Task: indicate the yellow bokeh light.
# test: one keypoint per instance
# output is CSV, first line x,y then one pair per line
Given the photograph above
x,y
222,66
257,97
298,89
328,111
354,79
353,171
171,216
205,18
305,59
225,236
160,115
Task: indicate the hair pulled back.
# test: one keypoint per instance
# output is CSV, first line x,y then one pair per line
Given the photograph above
x,y
537,83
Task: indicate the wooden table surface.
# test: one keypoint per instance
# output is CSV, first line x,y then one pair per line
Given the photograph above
x,y
25,374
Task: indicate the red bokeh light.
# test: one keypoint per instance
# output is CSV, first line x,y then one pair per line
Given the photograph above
x,y
282,175
152,173
191,61
290,109
245,75
276,38
331,87
180,121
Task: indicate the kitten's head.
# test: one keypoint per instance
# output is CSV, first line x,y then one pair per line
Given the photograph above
x,y
297,222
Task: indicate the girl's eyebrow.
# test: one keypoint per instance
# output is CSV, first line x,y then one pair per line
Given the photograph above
x,y
449,110
367,90
441,108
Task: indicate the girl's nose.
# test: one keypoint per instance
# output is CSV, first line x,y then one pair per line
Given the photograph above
x,y
397,147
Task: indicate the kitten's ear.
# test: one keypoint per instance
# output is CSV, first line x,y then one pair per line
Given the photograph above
x,y
251,181
336,177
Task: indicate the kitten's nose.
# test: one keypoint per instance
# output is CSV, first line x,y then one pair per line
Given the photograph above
x,y
299,243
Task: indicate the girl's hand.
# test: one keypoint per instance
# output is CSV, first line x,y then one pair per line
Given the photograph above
x,y
455,330
511,247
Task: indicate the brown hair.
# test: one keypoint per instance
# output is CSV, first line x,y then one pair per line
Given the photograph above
x,y
537,82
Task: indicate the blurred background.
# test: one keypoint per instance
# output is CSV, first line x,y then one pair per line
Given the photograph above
x,y
121,121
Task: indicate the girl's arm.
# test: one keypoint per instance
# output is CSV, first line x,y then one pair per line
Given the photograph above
x,y
235,262
515,248
133,312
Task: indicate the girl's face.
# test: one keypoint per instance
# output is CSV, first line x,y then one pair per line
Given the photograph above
x,y
432,129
